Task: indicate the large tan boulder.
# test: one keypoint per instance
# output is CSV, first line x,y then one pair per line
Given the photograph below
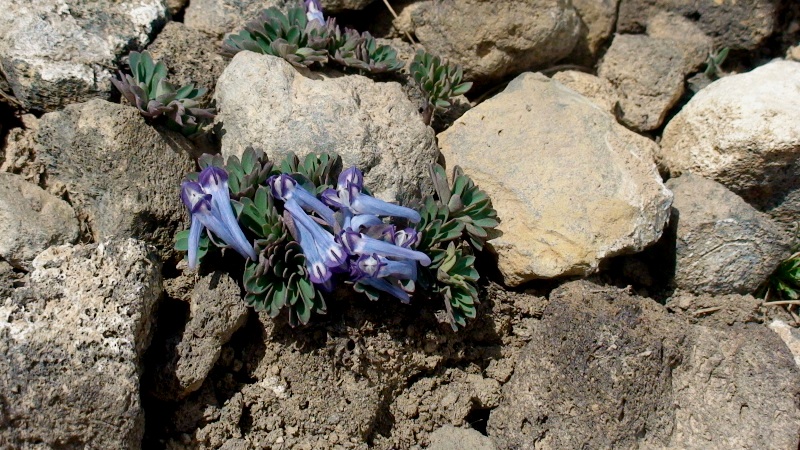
x,y
494,39
571,186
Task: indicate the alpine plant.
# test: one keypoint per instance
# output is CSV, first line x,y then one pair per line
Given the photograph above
x,y
149,91
304,226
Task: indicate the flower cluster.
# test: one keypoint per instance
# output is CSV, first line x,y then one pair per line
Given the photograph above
x,y
304,225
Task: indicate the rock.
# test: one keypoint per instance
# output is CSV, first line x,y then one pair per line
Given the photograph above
x,y
596,89
648,74
715,310
71,343
724,245
793,53
216,312
790,336
175,6
598,18
219,17
689,38
190,56
520,36
373,126
570,185
605,369
19,156
742,131
740,25
335,6
451,438
54,53
31,220
121,174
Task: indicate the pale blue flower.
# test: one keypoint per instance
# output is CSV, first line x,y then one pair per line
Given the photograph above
x,y
209,204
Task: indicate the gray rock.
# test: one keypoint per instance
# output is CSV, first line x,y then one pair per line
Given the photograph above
x,y
790,336
216,312
335,6
190,56
742,24
695,45
219,17
520,35
648,74
605,369
19,156
451,438
122,175
265,102
724,245
71,344
742,131
54,53
31,220
571,186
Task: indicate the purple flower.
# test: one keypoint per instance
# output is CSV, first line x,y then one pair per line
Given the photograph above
x,y
348,195
322,252
314,11
209,204
361,244
285,188
382,274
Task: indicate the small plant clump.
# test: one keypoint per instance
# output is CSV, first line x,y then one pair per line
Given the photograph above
x,y
305,38
714,63
438,80
149,91
784,283
304,225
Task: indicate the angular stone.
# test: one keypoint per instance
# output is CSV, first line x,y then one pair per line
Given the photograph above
x,y
265,102
724,245
55,52
520,35
216,312
696,46
71,344
451,438
598,18
596,89
605,369
739,25
219,17
570,185
648,74
190,56
742,131
122,175
31,220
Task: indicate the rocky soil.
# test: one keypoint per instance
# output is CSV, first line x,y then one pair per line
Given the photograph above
x,y
642,202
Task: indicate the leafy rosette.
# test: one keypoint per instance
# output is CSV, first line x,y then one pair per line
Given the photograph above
x,y
438,80
291,36
361,51
149,91
461,213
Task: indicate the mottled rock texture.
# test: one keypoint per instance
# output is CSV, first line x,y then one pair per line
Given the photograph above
x,y
31,220
571,186
265,102
724,245
71,344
